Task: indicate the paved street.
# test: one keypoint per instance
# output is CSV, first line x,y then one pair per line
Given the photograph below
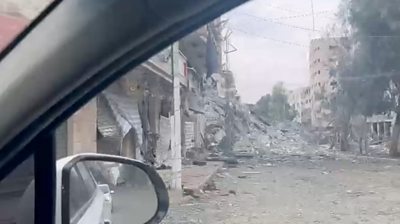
x,y
294,189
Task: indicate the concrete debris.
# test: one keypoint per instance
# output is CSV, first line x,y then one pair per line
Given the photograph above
x,y
199,163
243,155
191,192
245,172
253,136
210,186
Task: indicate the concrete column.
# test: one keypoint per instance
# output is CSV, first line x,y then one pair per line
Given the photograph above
x,y
378,129
385,129
372,130
176,149
82,130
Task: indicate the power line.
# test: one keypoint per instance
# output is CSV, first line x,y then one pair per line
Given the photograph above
x,y
269,38
292,10
313,15
382,36
301,15
277,22
281,8
366,77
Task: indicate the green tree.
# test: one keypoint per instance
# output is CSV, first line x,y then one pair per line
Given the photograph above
x,y
369,75
263,105
275,106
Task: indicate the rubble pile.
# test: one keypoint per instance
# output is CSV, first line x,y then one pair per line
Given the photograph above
x,y
252,134
281,139
215,115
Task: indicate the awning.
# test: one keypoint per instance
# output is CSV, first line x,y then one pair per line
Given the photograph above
x,y
127,109
119,115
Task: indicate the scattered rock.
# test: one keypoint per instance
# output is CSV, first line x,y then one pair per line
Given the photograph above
x,y
250,172
244,155
231,161
231,165
219,175
232,192
190,192
199,163
210,186
163,167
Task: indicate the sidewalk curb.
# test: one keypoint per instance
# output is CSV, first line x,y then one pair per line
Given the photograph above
x,y
210,177
365,158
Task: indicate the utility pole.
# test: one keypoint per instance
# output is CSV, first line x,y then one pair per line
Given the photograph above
x,y
229,116
313,15
176,149
229,48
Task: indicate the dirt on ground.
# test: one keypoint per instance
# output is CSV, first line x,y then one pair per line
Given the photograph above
x,y
297,189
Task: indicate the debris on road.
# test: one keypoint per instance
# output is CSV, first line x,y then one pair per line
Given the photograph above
x,y
247,172
199,163
232,192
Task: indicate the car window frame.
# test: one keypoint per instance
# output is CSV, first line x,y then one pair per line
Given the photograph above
x,y
37,136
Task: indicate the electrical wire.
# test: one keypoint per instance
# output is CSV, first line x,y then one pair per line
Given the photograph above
x,y
301,15
269,38
366,77
277,22
382,36
280,8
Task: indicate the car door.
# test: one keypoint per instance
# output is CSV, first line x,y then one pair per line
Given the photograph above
x,y
71,52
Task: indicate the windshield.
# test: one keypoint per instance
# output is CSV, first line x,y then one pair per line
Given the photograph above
x,y
279,111
16,15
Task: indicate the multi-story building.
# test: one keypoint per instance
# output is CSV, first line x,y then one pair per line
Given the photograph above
x,y
323,59
294,100
300,101
306,106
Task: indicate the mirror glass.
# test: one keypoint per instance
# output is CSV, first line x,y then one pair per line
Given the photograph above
x,y
110,192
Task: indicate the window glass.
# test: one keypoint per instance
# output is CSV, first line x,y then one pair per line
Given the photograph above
x,y
16,15
80,193
87,176
17,194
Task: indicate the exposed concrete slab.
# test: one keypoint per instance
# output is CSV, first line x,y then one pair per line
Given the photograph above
x,y
194,178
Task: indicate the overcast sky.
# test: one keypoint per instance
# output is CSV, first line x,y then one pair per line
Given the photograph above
x,y
261,59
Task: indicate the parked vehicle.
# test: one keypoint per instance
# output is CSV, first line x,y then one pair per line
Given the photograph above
x,y
89,201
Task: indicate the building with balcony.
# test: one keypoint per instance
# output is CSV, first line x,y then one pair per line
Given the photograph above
x,y
294,100
300,101
323,59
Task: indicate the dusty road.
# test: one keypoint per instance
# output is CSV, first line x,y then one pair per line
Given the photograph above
x,y
298,190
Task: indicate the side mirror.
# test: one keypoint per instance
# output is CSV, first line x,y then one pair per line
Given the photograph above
x,y
100,188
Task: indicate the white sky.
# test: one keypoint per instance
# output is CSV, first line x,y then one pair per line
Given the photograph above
x,y
260,63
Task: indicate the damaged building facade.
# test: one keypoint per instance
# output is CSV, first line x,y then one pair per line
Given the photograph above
x,y
134,117
323,58
300,100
